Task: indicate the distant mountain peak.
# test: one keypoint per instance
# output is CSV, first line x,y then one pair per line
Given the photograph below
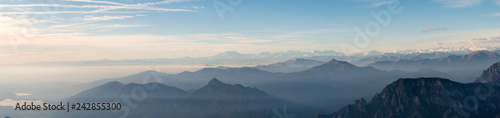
x,y
483,53
227,53
333,61
341,64
299,59
293,65
151,71
113,83
215,82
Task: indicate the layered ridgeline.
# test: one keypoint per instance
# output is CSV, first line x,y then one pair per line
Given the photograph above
x,y
480,59
490,75
317,86
395,56
214,100
289,66
460,67
427,98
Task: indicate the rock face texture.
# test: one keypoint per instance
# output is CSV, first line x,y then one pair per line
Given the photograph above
x,y
427,98
491,75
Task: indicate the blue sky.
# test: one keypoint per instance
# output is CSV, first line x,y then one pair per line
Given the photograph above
x,y
77,30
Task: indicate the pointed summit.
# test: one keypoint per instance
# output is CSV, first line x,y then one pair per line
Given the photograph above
x,y
215,82
335,62
334,65
114,84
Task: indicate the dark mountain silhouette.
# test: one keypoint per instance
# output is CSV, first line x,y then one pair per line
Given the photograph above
x,y
427,98
216,99
490,75
295,65
221,100
335,80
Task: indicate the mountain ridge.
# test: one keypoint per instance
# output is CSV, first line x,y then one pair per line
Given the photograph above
x,y
490,75
426,97
215,99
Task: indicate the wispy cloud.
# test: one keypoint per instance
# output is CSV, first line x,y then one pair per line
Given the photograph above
x,y
103,18
122,26
107,7
459,3
433,30
194,7
46,17
93,1
489,40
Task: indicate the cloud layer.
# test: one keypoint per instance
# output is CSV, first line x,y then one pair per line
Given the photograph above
x,y
489,40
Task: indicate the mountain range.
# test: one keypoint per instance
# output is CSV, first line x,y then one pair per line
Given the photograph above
x,y
460,67
480,59
325,87
236,58
334,80
421,97
395,56
214,100
289,66
431,97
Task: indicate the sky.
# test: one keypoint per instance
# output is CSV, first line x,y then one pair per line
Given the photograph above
x,y
81,30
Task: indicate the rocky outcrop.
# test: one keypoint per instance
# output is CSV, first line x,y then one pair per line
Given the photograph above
x,y
427,98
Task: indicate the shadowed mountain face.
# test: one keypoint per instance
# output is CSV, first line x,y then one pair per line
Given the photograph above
x,y
215,100
296,65
427,98
491,75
